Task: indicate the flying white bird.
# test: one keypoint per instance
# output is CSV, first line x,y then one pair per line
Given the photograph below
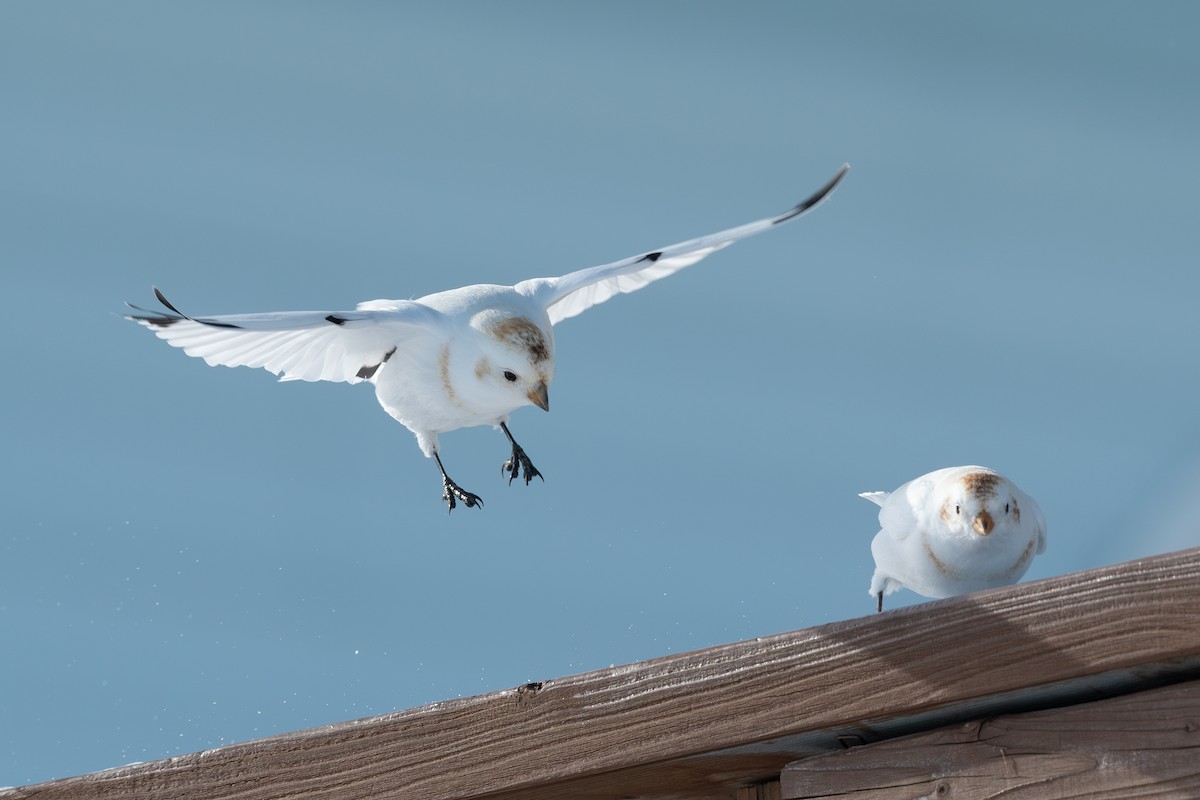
x,y
450,360
955,530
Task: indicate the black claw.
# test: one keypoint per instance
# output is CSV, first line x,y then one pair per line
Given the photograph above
x,y
452,492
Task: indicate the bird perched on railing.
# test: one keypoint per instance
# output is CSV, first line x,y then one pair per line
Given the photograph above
x,y
464,357
953,531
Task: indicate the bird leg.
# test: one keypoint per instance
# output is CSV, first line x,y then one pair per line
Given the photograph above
x,y
518,462
879,604
451,491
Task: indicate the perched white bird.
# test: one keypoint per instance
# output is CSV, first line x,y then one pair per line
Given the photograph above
x,y
450,360
955,530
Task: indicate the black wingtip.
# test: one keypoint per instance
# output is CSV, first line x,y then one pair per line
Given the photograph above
x,y
162,298
651,257
149,317
816,198
157,322
162,321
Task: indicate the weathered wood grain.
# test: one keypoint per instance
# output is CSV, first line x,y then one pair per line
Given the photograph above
x,y
1144,745
771,790
703,724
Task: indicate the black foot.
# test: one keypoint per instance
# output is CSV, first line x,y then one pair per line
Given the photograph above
x,y
452,493
519,462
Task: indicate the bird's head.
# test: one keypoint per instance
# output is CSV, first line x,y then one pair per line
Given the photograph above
x,y
518,359
980,504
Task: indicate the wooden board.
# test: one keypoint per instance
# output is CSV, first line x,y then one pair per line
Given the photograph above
x,y
771,790
706,723
1141,745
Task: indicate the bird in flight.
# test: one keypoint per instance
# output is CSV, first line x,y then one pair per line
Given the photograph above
x,y
450,360
954,530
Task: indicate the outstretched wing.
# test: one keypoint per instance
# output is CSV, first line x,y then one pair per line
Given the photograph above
x,y
574,293
296,345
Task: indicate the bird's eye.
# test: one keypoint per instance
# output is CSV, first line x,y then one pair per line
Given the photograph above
x,y
956,510
510,376
1006,508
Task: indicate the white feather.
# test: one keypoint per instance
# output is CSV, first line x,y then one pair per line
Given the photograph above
x,y
576,292
296,345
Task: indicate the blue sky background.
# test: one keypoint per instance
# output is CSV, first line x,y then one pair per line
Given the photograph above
x,y
195,556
